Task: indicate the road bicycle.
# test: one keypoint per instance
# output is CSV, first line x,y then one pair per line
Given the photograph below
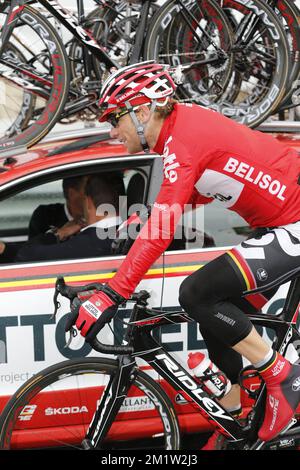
x,y
118,21
249,77
45,76
195,38
101,390
289,15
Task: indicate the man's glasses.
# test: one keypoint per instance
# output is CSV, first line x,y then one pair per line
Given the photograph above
x,y
114,118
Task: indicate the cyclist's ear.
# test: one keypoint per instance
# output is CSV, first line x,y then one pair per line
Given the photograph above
x,y
143,113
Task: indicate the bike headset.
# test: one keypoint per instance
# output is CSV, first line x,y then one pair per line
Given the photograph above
x,y
134,85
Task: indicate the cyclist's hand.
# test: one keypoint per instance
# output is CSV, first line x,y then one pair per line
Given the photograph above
x,y
90,316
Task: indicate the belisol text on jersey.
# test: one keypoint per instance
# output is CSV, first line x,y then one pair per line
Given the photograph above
x,y
249,173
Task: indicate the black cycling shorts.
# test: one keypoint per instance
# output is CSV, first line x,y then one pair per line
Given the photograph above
x,y
264,257
214,295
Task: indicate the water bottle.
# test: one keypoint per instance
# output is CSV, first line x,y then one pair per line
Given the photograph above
x,y
213,379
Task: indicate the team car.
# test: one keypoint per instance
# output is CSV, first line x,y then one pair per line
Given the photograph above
x,y
32,339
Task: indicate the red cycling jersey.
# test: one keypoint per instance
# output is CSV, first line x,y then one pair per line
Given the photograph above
x,y
207,156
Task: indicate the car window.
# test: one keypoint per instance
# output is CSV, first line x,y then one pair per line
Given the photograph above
x,y
224,226
213,226
16,211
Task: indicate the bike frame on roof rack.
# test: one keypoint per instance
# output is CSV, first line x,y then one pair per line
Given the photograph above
x,y
68,20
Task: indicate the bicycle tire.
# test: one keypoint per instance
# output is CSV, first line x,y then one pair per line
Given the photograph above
x,y
288,14
54,59
176,41
119,43
266,95
107,25
291,16
76,47
254,108
28,406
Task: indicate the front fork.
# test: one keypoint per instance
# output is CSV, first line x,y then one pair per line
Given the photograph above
x,y
111,402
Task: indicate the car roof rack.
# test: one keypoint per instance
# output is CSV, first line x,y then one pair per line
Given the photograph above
x,y
7,156
280,126
80,144
12,152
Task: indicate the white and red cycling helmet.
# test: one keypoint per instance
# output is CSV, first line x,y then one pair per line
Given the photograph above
x,y
136,84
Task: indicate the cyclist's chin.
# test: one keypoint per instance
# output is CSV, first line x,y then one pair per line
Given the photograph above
x,y
133,147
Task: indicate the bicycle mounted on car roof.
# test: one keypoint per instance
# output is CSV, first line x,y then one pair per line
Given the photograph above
x,y
195,39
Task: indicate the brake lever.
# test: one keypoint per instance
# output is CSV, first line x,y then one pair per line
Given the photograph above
x,y
60,282
73,333
57,304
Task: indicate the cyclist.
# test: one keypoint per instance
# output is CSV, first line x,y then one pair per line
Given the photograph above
x,y
208,156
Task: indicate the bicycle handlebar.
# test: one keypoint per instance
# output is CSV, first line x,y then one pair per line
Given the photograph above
x,y
71,293
110,349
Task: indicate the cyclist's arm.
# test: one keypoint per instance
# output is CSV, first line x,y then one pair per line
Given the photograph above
x,y
161,226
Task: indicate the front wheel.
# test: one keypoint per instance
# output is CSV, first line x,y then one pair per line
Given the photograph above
x,y
54,408
34,69
196,34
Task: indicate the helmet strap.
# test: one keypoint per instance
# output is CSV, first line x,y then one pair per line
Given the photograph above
x,y
140,128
